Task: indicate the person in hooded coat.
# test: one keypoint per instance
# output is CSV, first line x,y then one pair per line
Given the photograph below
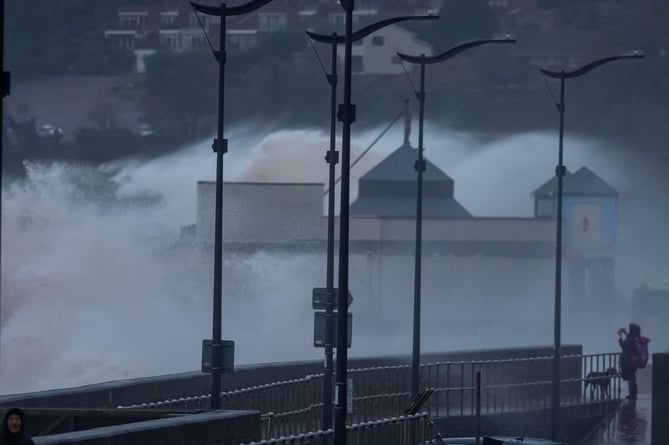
x,y
627,368
13,428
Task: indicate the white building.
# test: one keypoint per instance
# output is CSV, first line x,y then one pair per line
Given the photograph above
x,y
490,268
377,53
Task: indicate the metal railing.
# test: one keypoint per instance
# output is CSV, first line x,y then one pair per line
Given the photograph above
x,y
295,406
402,430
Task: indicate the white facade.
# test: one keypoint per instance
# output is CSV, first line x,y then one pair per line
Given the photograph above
x,y
140,59
377,53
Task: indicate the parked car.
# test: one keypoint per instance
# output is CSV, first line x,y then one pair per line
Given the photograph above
x,y
145,130
494,440
49,131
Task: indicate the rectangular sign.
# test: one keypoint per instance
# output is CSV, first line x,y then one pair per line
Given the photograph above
x,y
320,298
227,355
321,321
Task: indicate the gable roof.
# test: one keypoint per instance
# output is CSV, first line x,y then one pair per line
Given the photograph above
x,y
399,167
583,182
389,190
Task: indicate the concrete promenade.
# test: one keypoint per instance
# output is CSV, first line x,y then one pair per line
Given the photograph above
x,y
630,425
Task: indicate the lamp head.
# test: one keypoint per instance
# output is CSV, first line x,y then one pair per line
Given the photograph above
x,y
636,54
501,38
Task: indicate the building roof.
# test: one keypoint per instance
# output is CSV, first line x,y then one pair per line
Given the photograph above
x,y
583,182
389,190
399,166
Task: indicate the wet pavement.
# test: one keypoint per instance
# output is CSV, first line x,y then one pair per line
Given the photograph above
x,y
630,425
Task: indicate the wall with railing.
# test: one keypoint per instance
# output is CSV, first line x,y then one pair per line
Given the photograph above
x,y
401,430
209,428
193,384
507,385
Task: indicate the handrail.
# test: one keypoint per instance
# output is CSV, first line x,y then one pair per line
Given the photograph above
x,y
293,406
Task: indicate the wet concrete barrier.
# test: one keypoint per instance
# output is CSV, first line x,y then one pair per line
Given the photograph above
x,y
660,400
217,427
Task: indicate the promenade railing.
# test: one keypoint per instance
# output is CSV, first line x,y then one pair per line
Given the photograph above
x,y
402,430
295,406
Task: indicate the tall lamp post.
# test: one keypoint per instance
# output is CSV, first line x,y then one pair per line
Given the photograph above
x,y
420,166
332,158
347,116
560,171
4,89
220,146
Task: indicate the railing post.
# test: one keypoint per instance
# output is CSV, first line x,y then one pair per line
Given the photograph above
x,y
436,386
462,388
478,407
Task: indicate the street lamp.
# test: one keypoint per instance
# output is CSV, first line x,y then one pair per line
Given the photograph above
x,y
419,166
559,173
332,158
4,89
347,116
220,146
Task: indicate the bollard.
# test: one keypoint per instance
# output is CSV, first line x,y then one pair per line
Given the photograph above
x,y
660,400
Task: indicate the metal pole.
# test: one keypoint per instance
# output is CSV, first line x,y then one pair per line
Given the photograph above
x,y
419,166
220,146
478,407
342,306
332,158
4,85
559,172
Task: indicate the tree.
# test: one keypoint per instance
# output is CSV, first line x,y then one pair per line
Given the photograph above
x,y
181,91
105,114
461,20
56,36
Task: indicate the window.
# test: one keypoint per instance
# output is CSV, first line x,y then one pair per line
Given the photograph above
x,y
356,64
337,19
271,22
377,40
167,18
127,42
132,20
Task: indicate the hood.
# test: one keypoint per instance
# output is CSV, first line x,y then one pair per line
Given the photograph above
x,y
5,433
635,330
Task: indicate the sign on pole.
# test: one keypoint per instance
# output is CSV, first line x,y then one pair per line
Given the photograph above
x,y
321,321
321,298
227,355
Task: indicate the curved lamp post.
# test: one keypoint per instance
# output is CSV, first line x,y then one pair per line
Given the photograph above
x,y
4,90
347,116
332,158
560,171
220,146
419,166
